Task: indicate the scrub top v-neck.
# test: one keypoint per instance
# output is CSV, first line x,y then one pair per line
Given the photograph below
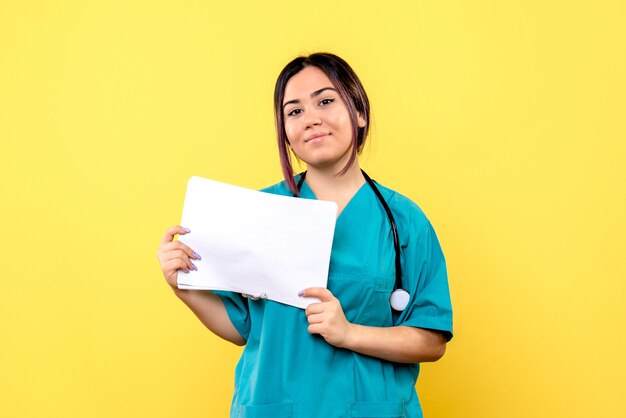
x,y
286,372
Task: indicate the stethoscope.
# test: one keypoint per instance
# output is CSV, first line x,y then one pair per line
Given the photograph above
x,y
399,298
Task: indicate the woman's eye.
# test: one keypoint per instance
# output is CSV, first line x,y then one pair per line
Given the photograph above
x,y
294,112
326,102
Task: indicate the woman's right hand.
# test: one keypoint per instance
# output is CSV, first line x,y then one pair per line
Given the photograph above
x,y
173,255
207,306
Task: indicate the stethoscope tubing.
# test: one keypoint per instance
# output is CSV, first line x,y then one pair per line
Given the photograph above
x,y
392,222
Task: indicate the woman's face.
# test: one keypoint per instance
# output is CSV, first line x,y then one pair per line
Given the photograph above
x,y
316,119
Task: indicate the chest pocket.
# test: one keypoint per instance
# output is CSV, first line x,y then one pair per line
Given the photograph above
x,y
365,300
377,410
277,410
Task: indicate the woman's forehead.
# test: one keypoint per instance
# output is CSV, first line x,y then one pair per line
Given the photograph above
x,y
307,81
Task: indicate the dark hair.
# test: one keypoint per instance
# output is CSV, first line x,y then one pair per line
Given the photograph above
x,y
350,90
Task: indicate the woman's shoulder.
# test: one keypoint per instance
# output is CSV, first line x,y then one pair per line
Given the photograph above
x,y
279,188
404,209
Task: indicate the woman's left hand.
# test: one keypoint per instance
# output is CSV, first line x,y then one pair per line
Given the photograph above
x,y
326,318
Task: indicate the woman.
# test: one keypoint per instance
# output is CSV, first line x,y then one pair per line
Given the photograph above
x,y
351,354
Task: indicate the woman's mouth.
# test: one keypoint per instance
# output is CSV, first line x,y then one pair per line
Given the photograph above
x,y
316,137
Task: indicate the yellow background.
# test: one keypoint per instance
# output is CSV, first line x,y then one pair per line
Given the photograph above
x,y
504,120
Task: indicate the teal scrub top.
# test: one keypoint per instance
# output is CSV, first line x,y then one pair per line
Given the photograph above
x,y
286,372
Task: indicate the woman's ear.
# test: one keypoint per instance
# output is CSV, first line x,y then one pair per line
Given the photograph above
x,y
360,120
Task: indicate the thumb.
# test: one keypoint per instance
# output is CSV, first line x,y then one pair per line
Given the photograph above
x,y
321,293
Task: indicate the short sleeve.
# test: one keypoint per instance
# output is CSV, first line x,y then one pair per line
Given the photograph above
x,y
237,310
425,277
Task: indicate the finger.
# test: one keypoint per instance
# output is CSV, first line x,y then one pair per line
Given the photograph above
x,y
170,232
178,254
190,253
315,329
316,318
177,245
321,293
176,264
314,308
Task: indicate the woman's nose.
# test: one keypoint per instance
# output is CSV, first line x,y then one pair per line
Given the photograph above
x,y
312,119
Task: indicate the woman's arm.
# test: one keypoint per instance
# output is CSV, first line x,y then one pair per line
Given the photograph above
x,y
210,310
402,344
173,255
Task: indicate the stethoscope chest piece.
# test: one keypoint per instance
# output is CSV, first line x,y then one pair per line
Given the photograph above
x,y
399,299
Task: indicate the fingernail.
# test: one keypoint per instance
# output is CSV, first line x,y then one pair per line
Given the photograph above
x,y
193,267
186,229
300,293
196,255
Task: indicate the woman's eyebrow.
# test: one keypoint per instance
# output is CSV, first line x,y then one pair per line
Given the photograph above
x,y
314,94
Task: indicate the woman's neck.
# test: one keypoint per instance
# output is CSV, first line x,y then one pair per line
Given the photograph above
x,y
328,185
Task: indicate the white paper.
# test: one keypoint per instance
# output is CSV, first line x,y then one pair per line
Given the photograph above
x,y
256,243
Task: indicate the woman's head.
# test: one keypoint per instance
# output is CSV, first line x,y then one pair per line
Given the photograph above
x,y
346,85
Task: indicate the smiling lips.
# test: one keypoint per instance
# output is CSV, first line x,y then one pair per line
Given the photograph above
x,y
315,136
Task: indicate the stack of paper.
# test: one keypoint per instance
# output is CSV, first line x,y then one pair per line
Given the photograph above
x,y
256,243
